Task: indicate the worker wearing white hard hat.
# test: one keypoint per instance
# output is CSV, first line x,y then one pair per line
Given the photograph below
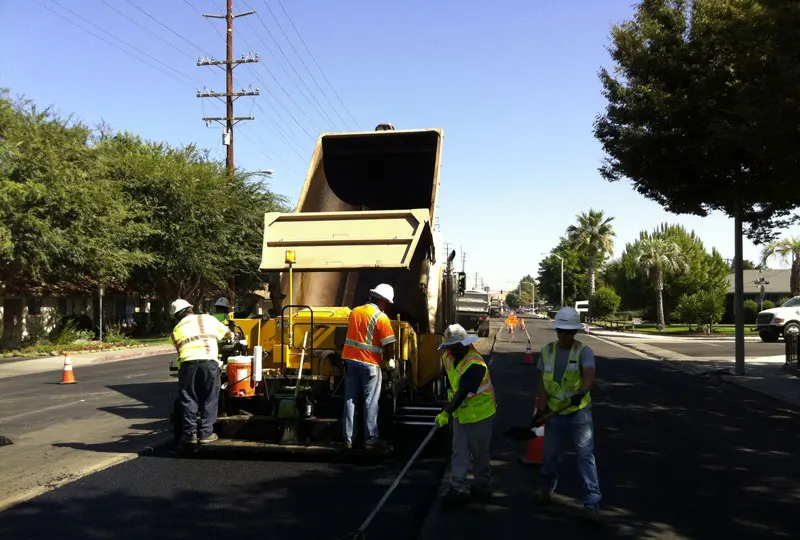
x,y
369,341
222,308
566,374
195,339
471,404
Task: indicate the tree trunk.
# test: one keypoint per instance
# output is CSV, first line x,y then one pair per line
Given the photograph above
x,y
794,279
591,275
660,298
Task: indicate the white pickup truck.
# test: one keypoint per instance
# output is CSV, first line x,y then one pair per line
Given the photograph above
x,y
773,323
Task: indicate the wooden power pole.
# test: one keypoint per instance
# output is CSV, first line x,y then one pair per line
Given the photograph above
x,y
229,120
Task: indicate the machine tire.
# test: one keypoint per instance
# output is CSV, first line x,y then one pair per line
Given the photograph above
x,y
768,336
790,325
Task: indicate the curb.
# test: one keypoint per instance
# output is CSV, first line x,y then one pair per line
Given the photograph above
x,y
720,375
154,352
161,442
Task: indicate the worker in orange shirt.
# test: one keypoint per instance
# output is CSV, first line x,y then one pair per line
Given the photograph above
x,y
369,341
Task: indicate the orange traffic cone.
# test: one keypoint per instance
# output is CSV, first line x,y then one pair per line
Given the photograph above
x,y
528,356
522,324
67,376
534,454
586,328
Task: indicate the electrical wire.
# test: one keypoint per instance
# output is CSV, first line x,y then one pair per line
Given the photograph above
x,y
296,31
184,38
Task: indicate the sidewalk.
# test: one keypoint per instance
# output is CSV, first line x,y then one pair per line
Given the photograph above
x,y
25,366
764,374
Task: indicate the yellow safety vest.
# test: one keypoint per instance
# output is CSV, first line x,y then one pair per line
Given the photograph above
x,y
195,338
559,394
477,406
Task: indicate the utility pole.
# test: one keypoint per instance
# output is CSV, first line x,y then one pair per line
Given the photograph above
x,y
229,120
562,278
476,281
463,260
230,96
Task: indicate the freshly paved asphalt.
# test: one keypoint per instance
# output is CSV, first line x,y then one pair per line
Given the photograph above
x,y
679,457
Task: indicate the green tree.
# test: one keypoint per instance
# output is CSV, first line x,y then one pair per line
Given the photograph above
x,y
512,300
575,282
788,250
593,236
603,303
687,310
655,257
711,307
526,285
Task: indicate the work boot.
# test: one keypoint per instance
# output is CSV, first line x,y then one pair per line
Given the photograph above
x,y
545,496
454,498
592,514
211,438
189,439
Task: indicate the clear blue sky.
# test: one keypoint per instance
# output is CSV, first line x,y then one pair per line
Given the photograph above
x,y
513,84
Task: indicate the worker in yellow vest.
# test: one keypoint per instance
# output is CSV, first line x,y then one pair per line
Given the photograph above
x,y
566,374
222,309
471,404
195,339
370,339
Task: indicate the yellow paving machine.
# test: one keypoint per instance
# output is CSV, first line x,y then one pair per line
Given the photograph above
x,y
365,216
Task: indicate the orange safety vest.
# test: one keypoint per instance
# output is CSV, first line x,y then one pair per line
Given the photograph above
x,y
368,332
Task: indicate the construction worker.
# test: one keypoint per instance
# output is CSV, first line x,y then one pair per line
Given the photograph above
x,y
566,374
369,340
195,338
471,404
222,309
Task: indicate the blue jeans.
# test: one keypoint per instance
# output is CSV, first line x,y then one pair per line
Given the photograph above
x,y
579,427
367,378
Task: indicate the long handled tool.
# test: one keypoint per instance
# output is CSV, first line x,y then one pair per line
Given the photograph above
x,y
359,533
524,433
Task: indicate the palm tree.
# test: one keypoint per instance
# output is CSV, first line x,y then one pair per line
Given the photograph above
x,y
594,236
785,249
655,257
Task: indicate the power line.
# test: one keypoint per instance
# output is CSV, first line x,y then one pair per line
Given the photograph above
x,y
318,67
137,23
320,108
48,8
229,95
184,38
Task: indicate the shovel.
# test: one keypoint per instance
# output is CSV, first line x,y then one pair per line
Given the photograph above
x,y
524,433
359,533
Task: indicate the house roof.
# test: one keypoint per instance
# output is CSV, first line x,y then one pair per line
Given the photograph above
x,y
778,282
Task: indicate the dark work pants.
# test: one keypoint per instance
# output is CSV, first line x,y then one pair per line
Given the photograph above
x,y
199,384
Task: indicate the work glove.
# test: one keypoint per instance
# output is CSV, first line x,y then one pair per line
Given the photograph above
x,y
577,398
443,418
392,363
536,421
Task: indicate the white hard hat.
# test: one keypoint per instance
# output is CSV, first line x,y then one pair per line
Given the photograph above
x,y
384,291
222,301
568,318
455,333
178,305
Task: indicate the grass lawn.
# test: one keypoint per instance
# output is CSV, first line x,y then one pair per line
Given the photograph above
x,y
677,329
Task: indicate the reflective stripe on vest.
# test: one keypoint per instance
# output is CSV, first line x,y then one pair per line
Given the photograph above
x,y
359,343
559,394
193,341
476,406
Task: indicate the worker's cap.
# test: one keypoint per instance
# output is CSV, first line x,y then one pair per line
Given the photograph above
x,y
384,291
178,306
455,334
223,302
568,318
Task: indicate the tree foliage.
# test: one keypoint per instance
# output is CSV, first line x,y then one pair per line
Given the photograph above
x,y
702,112
604,302
593,237
576,285
702,271
83,208
787,250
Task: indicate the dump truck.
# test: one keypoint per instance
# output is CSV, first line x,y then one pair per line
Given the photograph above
x,y
364,217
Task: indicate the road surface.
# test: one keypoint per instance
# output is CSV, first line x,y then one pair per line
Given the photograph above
x,y
679,457
714,348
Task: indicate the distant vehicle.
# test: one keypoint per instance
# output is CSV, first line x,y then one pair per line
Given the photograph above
x,y
773,323
472,312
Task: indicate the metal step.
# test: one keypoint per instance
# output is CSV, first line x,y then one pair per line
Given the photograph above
x,y
416,415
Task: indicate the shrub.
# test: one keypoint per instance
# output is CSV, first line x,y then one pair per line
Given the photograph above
x,y
768,304
604,302
750,311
